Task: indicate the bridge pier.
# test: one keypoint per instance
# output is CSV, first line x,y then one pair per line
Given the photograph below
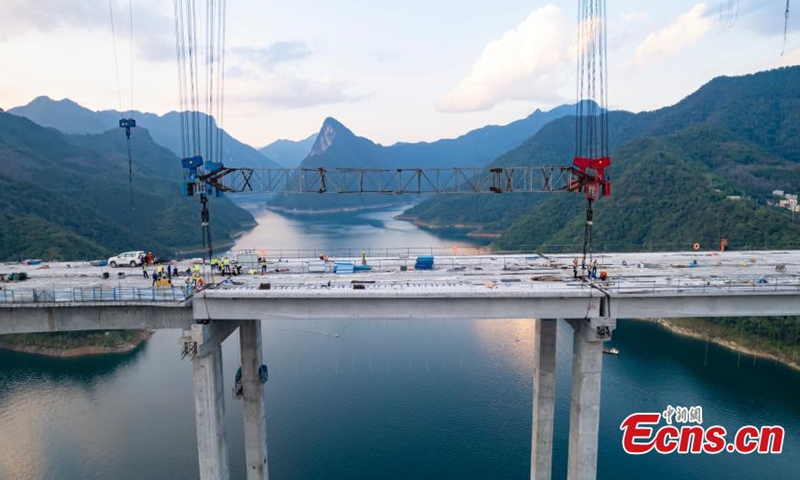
x,y
254,401
544,386
205,344
584,415
209,401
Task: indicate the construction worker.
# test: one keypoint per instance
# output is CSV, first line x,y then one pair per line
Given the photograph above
x,y
149,258
321,256
575,269
144,270
214,262
363,258
264,265
723,244
594,270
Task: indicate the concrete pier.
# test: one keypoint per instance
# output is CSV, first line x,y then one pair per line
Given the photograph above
x,y
544,389
209,401
584,416
254,401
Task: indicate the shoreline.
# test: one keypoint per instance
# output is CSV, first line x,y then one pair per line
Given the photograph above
x,y
83,351
470,230
295,211
668,325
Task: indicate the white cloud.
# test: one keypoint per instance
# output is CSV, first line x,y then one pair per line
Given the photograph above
x,y
268,58
633,16
290,91
685,31
529,62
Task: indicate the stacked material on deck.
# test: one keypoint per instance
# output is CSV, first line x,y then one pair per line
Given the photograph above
x,y
344,267
362,268
316,266
424,263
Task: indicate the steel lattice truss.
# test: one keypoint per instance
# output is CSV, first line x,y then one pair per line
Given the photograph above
x,y
393,181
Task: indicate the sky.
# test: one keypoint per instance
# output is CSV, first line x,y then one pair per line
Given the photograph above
x,y
416,70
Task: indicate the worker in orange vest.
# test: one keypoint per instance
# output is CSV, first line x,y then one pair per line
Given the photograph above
x,y
723,244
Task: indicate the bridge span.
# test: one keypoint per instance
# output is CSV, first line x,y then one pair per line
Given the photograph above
x,y
70,297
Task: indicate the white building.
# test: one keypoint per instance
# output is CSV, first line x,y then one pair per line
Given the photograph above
x,y
777,193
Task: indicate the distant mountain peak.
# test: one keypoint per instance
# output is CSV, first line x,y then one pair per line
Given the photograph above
x,y
331,129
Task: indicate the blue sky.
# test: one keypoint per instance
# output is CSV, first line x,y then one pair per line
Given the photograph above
x,y
391,71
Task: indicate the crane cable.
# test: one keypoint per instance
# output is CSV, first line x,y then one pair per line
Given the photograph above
x,y
728,13
785,28
201,94
591,127
124,123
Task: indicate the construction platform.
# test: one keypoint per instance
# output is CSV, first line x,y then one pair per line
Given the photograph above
x,y
479,275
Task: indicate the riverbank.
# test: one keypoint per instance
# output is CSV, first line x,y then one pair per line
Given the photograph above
x,y
465,229
94,343
330,211
701,330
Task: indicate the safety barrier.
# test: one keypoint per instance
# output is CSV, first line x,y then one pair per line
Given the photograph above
x,y
94,294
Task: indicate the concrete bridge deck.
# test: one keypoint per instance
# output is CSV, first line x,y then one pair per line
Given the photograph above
x,y
66,297
628,273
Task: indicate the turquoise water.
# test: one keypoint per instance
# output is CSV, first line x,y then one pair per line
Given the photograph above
x,y
386,399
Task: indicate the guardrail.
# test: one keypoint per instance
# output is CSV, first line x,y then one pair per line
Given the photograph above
x,y
698,287
94,294
461,250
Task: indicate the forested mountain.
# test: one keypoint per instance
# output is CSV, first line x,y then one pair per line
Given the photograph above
x,y
68,117
67,197
289,153
337,146
677,173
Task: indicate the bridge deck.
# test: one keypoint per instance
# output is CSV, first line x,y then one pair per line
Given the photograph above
x,y
472,275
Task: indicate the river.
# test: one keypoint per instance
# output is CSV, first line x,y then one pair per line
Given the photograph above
x,y
384,400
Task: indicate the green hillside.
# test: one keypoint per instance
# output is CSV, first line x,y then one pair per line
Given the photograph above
x,y
673,172
66,197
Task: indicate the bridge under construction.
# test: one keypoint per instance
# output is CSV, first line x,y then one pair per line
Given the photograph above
x,y
75,296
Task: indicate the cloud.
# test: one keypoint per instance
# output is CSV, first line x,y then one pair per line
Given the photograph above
x,y
685,31
153,32
20,16
633,16
289,91
529,62
268,58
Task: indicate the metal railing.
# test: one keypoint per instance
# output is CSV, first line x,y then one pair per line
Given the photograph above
x,y
94,294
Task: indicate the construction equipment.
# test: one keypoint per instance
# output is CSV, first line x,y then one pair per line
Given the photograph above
x,y
206,175
126,123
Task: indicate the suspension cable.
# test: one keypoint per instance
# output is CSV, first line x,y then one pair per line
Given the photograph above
x,y
785,28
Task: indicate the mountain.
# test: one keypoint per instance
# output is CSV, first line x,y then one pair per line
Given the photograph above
x,y
70,117
337,146
66,196
478,147
693,172
289,153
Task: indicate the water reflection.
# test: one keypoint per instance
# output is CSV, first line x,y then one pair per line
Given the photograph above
x,y
374,229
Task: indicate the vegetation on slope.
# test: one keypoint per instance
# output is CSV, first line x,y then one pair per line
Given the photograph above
x,y
66,197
